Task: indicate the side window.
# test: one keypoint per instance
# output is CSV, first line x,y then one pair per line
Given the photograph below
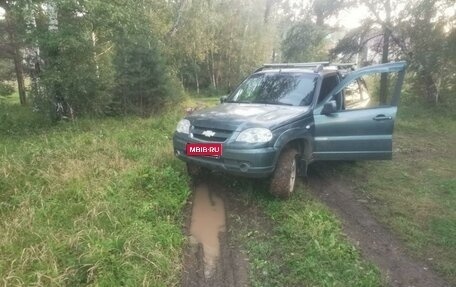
x,y
354,95
328,84
367,92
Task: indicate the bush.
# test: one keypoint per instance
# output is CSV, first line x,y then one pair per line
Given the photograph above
x,y
6,89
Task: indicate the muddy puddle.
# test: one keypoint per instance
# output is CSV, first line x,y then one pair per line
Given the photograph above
x,y
212,258
207,221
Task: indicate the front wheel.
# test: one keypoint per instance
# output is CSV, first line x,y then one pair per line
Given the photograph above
x,y
284,177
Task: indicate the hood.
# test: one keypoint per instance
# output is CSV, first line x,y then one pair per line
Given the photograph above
x,y
232,116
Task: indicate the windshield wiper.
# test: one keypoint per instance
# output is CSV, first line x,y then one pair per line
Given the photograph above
x,y
269,103
238,102
282,104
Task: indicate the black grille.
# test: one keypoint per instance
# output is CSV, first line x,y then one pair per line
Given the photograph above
x,y
219,136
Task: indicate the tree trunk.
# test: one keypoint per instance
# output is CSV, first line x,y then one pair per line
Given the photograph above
x,y
267,11
384,76
197,84
320,20
229,65
17,55
430,87
20,76
180,11
214,82
195,67
385,53
95,60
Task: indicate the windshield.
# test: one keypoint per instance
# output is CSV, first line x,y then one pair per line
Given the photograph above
x,y
293,89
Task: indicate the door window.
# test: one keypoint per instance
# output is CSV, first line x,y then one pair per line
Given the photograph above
x,y
357,96
328,84
369,91
368,87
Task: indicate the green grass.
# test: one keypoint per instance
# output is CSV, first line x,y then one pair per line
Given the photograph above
x,y
99,202
300,244
96,202
415,193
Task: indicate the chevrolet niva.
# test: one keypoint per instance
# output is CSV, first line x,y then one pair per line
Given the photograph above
x,y
285,116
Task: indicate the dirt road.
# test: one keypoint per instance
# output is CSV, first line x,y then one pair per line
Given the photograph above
x,y
212,259
377,243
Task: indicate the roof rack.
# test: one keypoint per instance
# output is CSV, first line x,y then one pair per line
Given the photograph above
x,y
344,65
343,68
293,65
317,66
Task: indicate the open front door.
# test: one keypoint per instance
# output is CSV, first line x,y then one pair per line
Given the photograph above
x,y
351,123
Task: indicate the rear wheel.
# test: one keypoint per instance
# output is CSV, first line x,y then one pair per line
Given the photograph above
x,y
284,177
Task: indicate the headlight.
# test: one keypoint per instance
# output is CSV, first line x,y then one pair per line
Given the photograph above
x,y
183,126
255,135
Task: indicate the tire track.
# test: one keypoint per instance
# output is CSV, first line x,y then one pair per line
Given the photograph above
x,y
376,243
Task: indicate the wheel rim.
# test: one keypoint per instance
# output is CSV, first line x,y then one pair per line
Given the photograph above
x,y
292,175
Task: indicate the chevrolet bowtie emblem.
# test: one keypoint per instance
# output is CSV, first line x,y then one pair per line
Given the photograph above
x,y
208,133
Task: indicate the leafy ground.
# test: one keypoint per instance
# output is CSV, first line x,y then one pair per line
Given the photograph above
x,y
94,202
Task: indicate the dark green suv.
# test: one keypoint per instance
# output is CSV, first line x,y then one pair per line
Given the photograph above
x,y
285,116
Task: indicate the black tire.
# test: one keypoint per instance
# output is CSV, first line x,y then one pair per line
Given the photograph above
x,y
284,177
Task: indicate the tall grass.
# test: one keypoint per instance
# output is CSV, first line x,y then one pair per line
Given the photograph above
x,y
94,202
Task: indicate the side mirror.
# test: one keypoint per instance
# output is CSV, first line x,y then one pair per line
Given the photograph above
x,y
329,108
223,99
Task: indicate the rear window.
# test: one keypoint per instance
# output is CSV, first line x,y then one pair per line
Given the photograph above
x,y
293,89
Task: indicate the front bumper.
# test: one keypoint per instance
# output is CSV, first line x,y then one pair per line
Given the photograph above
x,y
256,163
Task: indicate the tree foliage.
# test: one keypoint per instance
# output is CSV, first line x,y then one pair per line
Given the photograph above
x,y
306,33
118,57
420,32
216,43
93,57
304,42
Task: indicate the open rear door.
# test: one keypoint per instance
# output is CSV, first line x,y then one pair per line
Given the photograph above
x,y
360,127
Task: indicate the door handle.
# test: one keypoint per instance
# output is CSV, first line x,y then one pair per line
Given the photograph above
x,y
382,118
